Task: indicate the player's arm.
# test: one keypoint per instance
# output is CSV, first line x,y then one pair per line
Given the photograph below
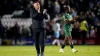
x,y
70,21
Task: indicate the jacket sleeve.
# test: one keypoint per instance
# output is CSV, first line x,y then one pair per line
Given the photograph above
x,y
45,16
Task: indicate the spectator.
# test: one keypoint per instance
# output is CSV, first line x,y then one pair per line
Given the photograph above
x,y
81,16
75,30
25,32
61,3
57,8
92,19
51,8
49,30
9,32
74,13
92,32
56,29
88,17
83,30
2,31
16,33
98,29
96,10
95,19
46,21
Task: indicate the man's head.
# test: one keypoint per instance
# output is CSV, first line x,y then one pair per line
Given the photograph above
x,y
35,4
67,9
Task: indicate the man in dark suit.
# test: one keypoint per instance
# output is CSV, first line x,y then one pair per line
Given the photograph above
x,y
38,26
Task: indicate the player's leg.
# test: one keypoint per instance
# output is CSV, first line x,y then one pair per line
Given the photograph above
x,y
36,40
63,45
42,41
58,42
55,40
71,42
64,42
58,35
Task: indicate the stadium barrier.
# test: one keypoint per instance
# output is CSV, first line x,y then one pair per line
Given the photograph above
x,y
30,41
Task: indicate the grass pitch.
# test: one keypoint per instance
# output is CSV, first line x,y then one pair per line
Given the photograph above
x,y
83,50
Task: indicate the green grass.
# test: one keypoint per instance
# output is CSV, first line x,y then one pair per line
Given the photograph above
x,y
86,50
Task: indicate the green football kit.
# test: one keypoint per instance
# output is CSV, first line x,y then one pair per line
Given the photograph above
x,y
67,27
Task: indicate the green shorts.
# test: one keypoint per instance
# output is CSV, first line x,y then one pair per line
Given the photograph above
x,y
67,30
67,33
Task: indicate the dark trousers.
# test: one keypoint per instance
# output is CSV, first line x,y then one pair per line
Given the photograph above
x,y
39,38
83,35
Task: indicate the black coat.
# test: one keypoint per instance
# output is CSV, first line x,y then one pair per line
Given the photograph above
x,y
37,19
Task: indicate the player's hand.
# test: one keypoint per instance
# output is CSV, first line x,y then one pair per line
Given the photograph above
x,y
67,21
70,22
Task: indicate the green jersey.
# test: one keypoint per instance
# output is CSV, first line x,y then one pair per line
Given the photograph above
x,y
67,27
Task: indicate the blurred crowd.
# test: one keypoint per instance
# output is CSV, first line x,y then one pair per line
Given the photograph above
x,y
86,13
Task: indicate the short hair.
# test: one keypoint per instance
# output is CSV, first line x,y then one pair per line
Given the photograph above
x,y
35,1
66,7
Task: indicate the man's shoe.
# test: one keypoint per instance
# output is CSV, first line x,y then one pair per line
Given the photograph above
x,y
38,55
74,51
61,50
